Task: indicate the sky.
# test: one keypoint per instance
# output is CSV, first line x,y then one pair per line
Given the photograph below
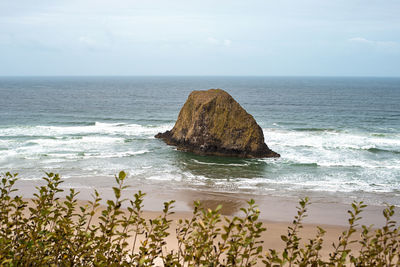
x,y
206,37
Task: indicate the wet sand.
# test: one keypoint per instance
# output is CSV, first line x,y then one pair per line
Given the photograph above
x,y
273,209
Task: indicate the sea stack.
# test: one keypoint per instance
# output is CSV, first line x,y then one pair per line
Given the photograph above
x,y
212,123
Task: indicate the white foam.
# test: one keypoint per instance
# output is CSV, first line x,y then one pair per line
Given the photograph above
x,y
98,128
296,182
330,140
84,140
165,177
117,154
101,140
219,164
333,161
332,149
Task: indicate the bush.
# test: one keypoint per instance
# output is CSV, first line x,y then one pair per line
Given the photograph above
x,y
61,232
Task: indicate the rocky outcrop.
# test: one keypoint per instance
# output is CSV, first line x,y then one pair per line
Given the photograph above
x,y
213,123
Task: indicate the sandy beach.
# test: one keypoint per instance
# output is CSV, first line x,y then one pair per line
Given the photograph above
x,y
271,237
272,208
276,213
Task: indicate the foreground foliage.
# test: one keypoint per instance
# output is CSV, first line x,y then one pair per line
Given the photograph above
x,y
62,232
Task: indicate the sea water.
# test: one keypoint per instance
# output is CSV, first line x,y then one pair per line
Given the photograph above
x,y
339,138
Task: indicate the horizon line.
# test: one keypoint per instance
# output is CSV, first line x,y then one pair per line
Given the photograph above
x,y
195,75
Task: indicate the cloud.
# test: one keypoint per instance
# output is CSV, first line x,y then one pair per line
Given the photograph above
x,y
98,41
362,40
86,40
227,42
213,41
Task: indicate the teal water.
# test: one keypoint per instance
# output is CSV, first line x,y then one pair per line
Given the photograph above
x,y
339,138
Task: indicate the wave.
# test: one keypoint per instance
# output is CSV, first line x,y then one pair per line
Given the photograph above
x,y
118,154
305,164
99,140
316,159
6,138
379,134
323,184
61,156
331,140
335,149
96,128
316,130
73,123
80,140
378,151
295,160
220,164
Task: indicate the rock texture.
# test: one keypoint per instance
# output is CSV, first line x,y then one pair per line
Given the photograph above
x,y
213,123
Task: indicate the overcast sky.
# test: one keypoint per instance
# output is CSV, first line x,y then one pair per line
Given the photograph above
x,y
206,37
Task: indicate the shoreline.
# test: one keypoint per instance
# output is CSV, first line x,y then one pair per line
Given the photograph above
x,y
272,209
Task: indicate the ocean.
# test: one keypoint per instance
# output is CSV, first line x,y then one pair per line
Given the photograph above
x,y
339,138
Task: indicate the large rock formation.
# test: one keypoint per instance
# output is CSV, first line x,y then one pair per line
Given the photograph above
x,y
213,123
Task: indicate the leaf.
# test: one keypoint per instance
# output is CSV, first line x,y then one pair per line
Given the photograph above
x,y
121,175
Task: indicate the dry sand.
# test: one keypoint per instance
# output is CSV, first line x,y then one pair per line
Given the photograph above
x,y
271,237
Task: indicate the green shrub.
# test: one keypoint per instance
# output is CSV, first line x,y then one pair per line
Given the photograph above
x,y
61,232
